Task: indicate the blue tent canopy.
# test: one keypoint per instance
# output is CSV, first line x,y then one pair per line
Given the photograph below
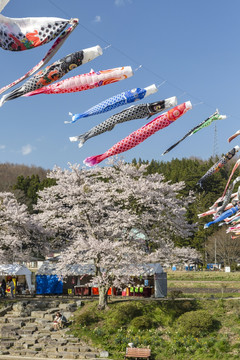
x,y
48,284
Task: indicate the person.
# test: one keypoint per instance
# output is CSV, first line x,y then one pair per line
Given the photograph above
x,y
59,321
12,288
3,288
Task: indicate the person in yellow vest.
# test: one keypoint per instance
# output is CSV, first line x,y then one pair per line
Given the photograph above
x,y
12,288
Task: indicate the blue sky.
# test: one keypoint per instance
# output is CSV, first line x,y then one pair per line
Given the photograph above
x,y
190,48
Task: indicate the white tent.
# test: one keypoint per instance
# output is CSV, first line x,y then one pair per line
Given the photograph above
x,y
16,269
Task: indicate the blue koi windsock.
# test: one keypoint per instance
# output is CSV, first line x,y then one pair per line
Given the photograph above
x,y
113,102
224,215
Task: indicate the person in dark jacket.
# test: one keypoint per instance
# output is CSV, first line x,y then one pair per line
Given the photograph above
x,y
3,287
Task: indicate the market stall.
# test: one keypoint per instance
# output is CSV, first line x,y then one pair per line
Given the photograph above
x,y
20,274
148,279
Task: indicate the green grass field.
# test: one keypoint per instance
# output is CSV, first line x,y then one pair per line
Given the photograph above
x,y
200,320
202,284
203,275
177,329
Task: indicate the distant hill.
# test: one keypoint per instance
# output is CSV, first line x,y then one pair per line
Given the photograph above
x,y
9,173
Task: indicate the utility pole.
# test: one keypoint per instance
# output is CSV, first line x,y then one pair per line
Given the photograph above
x,y
215,141
215,252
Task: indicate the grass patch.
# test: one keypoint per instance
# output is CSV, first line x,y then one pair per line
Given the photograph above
x,y
174,329
203,276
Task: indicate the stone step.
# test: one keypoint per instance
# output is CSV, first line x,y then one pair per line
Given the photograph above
x,y
60,342
72,340
16,348
5,355
52,310
71,355
4,352
25,331
56,336
10,327
9,338
31,327
25,319
9,333
14,314
53,355
25,336
6,344
38,314
49,317
42,323
74,347
44,332
28,341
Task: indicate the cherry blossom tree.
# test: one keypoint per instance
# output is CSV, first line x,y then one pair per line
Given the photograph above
x,y
93,213
168,254
20,237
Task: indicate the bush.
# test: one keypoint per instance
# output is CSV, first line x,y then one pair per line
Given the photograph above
x,y
173,294
125,313
196,323
87,316
141,323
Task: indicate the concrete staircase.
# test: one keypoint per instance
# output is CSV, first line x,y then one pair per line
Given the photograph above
x,y
26,331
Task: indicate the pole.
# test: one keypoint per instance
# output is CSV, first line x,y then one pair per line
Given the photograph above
x,y
215,252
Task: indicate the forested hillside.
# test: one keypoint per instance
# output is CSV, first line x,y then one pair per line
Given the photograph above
x,y
10,172
190,171
25,181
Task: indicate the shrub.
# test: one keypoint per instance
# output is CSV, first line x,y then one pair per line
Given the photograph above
x,y
196,323
141,323
125,313
87,316
173,294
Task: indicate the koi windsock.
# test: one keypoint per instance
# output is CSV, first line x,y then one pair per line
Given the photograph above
x,y
133,112
228,196
234,136
219,164
142,134
54,72
204,123
17,34
224,215
86,81
51,52
113,102
231,175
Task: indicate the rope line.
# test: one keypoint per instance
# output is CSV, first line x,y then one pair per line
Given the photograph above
x,y
141,66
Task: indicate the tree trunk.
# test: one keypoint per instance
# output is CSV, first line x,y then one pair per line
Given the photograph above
x,y
102,302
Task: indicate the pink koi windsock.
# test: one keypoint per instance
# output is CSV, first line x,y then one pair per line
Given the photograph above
x,y
85,81
141,134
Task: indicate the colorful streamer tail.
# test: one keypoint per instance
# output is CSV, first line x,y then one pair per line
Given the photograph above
x,y
94,160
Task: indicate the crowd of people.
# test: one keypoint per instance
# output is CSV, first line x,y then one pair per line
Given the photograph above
x,y
3,288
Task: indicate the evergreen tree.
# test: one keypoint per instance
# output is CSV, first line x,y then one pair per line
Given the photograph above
x,y
26,189
190,171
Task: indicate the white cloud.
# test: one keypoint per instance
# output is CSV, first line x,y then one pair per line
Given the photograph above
x,y
2,147
122,2
26,149
97,19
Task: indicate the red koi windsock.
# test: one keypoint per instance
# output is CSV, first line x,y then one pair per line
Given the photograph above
x,y
141,134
